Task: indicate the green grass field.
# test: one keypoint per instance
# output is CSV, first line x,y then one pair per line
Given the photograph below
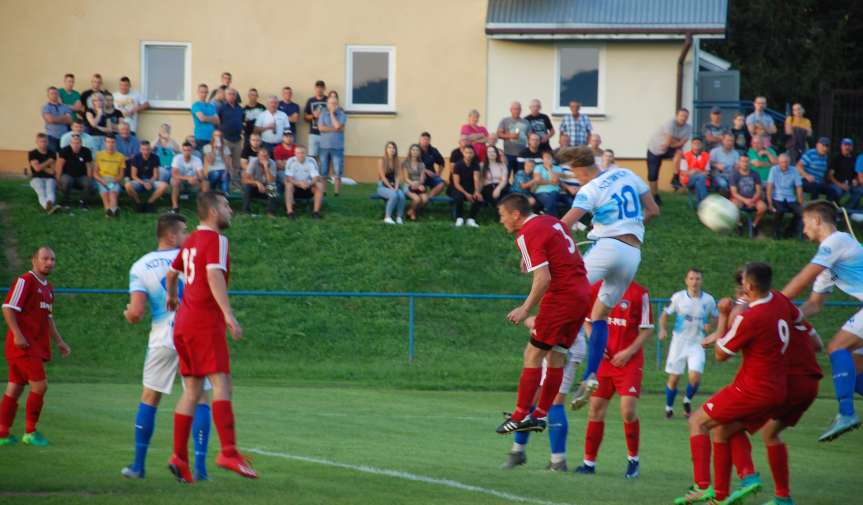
x,y
361,446
337,368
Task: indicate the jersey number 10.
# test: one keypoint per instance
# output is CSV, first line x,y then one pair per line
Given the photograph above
x,y
628,204
189,264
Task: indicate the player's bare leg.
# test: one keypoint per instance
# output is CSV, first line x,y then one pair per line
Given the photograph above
x,y
671,394
223,417
840,350
598,338
731,447
183,416
8,409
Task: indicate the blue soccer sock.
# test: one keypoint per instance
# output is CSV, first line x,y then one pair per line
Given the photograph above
x,y
558,428
596,347
670,395
859,385
201,436
691,389
844,377
521,437
145,423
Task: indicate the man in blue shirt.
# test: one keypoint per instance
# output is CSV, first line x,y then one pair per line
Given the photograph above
x,y
785,194
231,117
331,123
205,117
813,169
723,159
57,117
289,107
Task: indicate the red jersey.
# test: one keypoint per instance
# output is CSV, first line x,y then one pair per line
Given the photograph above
x,y
762,333
545,241
203,250
281,153
631,314
33,299
800,356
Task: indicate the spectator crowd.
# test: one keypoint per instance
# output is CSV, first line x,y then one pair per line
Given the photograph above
x,y
90,144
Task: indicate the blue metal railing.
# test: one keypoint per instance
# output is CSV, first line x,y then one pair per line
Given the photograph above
x,y
411,298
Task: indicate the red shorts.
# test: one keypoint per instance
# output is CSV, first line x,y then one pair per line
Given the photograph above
x,y
202,352
730,404
626,383
802,391
27,369
559,320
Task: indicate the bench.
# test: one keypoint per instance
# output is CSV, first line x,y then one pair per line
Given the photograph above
x,y
437,199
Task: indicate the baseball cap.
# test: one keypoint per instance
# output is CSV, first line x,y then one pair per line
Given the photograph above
x,y
824,141
847,141
715,110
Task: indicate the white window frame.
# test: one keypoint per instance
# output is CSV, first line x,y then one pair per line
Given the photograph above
x,y
186,102
350,106
600,92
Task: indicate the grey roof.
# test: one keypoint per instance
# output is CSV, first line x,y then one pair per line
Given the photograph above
x,y
607,17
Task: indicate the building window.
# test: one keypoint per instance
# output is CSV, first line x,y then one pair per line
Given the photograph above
x,y
579,76
370,84
166,76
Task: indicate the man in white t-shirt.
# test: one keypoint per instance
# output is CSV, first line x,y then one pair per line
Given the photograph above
x,y
186,175
303,180
147,287
694,310
130,103
271,124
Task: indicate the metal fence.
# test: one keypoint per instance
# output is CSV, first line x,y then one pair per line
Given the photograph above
x,y
411,297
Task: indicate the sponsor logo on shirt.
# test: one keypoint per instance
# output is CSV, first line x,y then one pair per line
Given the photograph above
x,y
709,405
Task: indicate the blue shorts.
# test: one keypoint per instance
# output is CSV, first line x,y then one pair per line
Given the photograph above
x,y
138,187
433,181
314,144
112,186
338,159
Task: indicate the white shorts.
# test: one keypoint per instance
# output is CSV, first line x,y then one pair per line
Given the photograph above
x,y
682,355
615,263
160,368
575,355
855,324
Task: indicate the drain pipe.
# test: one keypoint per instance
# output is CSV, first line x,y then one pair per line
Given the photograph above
x,y
687,45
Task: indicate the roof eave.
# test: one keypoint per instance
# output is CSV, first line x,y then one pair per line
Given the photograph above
x,y
549,32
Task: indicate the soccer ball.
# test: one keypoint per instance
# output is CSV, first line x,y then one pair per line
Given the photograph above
x,y
718,213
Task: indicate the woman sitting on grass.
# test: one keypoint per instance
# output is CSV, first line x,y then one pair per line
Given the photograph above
x,y
388,184
413,180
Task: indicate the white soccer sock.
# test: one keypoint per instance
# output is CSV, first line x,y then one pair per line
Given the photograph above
x,y
668,409
589,463
632,458
686,399
516,447
557,458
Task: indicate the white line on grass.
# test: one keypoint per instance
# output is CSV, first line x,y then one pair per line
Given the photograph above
x,y
398,474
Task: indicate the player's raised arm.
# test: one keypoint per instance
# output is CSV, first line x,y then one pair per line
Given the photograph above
x,y
802,280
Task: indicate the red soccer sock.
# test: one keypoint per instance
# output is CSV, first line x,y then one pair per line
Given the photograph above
x,y
34,409
721,469
550,389
777,456
741,454
8,409
700,447
593,439
182,429
223,417
527,385
632,431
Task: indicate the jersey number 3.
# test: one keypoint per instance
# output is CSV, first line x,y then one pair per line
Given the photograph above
x,y
189,264
559,227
